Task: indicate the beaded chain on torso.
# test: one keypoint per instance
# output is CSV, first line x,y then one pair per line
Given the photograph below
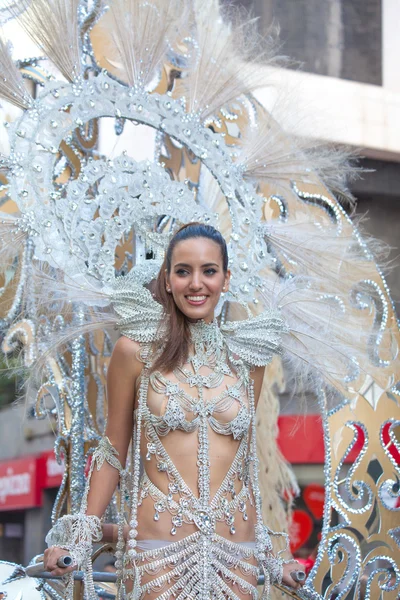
x,y
204,564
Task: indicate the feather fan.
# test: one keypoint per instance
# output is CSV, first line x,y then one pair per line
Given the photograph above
x,y
269,154
53,27
325,340
143,33
317,250
226,59
12,86
83,308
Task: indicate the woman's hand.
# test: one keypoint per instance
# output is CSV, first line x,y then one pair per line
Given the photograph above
x,y
287,579
50,558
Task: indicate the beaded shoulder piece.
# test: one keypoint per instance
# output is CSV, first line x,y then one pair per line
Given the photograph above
x,y
255,340
139,315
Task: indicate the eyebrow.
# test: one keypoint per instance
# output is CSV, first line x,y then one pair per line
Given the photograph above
x,y
202,266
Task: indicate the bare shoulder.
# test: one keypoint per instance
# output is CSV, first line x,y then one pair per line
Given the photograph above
x,y
126,354
125,347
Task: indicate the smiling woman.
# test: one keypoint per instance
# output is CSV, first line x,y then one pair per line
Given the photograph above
x,y
194,274
195,528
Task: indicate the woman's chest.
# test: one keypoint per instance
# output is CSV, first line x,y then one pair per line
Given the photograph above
x,y
183,398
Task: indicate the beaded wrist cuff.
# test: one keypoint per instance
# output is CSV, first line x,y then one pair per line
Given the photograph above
x,y
76,534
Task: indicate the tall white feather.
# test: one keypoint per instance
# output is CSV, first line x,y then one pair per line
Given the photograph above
x,y
143,32
326,339
226,62
53,27
309,247
270,155
12,86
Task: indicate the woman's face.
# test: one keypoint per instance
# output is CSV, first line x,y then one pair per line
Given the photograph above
x,y
197,278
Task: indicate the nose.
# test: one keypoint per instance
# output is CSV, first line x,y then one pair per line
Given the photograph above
x,y
195,282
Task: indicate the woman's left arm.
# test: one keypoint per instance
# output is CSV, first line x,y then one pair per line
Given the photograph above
x,y
257,375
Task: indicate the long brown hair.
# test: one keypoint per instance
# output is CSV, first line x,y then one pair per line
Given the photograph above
x,y
176,341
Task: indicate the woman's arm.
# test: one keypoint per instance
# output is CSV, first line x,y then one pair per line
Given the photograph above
x,y
123,372
257,375
286,567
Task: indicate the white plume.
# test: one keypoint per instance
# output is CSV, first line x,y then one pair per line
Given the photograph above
x,y
53,27
269,154
143,33
327,339
225,60
12,86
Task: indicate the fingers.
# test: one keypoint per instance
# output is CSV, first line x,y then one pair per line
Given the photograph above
x,y
50,558
294,585
288,579
60,572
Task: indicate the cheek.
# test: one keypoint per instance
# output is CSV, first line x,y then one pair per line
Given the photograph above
x,y
216,285
177,285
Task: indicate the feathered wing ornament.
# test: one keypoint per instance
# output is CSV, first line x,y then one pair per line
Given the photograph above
x,y
256,339
139,316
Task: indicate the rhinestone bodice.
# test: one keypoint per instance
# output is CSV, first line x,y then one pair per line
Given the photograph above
x,y
209,392
209,398
184,410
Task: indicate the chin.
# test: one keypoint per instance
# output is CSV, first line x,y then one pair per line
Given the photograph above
x,y
197,315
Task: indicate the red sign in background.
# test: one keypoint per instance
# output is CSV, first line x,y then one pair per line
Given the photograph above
x,y
18,484
300,529
52,471
314,498
22,480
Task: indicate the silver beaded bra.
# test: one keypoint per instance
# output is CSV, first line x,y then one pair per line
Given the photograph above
x,y
208,353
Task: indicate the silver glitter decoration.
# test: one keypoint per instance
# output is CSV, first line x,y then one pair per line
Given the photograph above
x,y
92,223
77,431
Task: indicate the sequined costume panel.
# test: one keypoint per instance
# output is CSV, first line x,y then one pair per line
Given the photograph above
x,y
198,491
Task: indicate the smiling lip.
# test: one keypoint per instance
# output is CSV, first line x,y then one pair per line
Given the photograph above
x,y
196,300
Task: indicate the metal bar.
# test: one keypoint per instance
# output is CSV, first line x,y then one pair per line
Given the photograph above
x,y
99,576
38,572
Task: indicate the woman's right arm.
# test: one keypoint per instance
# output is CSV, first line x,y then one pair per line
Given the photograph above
x,y
122,374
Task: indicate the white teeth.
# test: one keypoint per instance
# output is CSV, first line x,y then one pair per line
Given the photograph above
x,y
196,298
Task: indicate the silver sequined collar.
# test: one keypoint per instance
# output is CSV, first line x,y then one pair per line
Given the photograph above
x,y
206,336
208,344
